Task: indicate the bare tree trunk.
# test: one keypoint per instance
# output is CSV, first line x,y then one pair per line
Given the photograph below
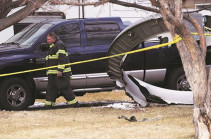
x,y
7,5
193,59
16,17
3,10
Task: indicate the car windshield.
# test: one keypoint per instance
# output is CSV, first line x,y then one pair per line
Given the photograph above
x,y
29,35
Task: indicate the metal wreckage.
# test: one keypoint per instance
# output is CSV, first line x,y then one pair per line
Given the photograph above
x,y
129,39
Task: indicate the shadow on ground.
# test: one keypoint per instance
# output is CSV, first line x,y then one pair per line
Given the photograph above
x,y
82,104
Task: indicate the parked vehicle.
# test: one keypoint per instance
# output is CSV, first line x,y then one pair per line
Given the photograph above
x,y
85,39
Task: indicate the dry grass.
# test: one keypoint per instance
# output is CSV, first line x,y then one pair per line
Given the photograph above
x,y
92,122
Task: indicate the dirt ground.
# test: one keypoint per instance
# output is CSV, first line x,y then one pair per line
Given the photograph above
x,y
156,122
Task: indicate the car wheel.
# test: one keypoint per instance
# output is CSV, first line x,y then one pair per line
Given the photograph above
x,y
178,81
15,94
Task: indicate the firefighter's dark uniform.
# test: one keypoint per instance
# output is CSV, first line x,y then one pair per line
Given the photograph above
x,y
57,55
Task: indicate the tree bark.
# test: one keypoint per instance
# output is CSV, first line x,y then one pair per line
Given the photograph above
x,y
3,9
21,14
193,59
7,5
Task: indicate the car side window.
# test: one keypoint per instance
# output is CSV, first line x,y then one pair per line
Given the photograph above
x,y
69,34
101,32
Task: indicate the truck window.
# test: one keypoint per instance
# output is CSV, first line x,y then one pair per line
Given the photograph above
x,y
69,34
101,32
208,22
29,35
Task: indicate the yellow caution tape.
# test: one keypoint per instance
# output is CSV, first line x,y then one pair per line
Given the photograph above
x,y
205,34
176,39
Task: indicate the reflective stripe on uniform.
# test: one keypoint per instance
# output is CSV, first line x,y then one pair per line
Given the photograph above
x,y
72,101
51,72
67,69
49,103
51,45
51,57
57,55
60,51
61,66
55,71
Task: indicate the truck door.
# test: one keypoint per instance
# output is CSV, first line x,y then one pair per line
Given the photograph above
x,y
99,35
156,60
208,56
70,34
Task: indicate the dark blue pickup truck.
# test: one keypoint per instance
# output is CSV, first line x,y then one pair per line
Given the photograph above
x,y
85,39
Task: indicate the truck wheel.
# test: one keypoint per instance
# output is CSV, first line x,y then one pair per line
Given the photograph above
x,y
178,81
15,94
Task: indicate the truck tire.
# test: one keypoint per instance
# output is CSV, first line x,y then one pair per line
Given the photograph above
x,y
178,81
15,94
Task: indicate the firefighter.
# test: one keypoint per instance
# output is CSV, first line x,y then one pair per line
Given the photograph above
x,y
59,77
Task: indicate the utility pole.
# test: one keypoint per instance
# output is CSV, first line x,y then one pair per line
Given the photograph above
x,y
79,10
83,10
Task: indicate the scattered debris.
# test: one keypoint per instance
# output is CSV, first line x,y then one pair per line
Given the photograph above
x,y
141,91
133,118
125,106
113,104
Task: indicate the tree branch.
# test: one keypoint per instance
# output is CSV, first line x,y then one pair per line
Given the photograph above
x,y
178,23
154,3
18,3
126,4
19,15
4,11
55,2
7,6
201,33
178,13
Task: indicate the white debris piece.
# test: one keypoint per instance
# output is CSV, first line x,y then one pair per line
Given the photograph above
x,y
167,95
131,88
124,106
